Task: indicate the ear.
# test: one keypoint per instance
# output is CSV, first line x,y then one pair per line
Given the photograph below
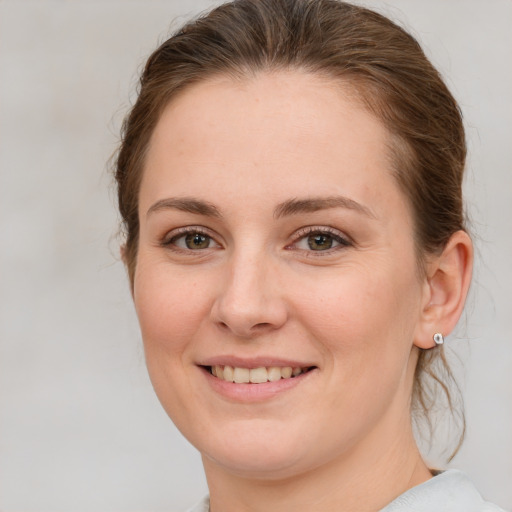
x,y
447,281
122,252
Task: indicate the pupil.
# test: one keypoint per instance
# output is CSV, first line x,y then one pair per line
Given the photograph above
x,y
197,241
320,242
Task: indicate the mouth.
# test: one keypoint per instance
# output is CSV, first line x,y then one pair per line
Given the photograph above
x,y
261,375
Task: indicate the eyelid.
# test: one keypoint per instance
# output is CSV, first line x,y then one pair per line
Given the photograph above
x,y
344,240
168,239
339,236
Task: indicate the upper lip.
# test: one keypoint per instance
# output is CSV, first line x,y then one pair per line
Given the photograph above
x,y
253,362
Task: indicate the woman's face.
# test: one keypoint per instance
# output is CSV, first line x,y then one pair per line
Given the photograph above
x,y
275,240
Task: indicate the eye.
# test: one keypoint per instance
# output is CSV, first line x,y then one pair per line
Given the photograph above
x,y
186,239
194,241
320,240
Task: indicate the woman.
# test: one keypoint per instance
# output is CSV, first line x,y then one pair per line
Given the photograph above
x,y
290,184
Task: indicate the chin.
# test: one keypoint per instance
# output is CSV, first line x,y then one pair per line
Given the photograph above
x,y
255,463
258,450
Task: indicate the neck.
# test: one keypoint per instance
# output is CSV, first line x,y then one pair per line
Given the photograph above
x,y
365,480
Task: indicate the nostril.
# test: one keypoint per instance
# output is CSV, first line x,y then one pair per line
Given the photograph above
x,y
255,328
261,326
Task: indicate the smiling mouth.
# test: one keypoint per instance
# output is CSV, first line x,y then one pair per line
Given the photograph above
x,y
256,375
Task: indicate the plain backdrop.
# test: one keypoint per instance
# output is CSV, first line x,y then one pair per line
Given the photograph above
x,y
80,427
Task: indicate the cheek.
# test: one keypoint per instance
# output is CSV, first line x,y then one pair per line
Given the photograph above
x,y
363,320
355,303
170,307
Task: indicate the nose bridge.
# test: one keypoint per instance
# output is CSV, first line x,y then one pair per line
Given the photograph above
x,y
249,301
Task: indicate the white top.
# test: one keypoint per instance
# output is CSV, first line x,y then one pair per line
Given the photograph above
x,y
449,491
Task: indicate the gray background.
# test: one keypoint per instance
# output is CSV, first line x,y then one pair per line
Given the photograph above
x,y
80,427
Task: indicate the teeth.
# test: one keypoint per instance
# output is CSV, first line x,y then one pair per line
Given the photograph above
x,y
218,371
258,375
255,375
241,375
228,373
286,372
274,374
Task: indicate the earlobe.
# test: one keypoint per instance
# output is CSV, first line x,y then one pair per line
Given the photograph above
x,y
446,288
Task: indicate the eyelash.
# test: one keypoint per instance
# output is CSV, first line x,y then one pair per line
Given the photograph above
x,y
170,240
305,232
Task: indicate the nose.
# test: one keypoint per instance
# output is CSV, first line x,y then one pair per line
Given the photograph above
x,y
250,301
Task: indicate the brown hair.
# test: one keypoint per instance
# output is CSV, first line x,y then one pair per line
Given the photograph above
x,y
381,63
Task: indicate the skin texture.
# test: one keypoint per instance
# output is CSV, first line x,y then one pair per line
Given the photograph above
x,y
357,312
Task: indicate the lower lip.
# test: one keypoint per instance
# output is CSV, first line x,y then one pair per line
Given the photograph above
x,y
254,392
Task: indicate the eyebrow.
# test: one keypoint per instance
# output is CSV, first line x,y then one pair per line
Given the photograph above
x,y
314,204
287,208
186,204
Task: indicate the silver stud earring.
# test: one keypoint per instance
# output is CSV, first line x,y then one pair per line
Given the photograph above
x,y
438,338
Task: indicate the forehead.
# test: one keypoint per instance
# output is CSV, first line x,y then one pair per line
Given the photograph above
x,y
290,132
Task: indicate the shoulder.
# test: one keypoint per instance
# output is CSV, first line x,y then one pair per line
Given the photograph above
x,y
449,491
